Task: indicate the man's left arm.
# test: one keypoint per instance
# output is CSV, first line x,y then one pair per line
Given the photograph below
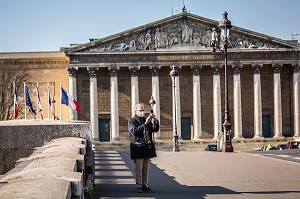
x,y
155,123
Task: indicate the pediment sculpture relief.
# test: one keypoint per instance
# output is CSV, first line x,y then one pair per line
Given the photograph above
x,y
181,35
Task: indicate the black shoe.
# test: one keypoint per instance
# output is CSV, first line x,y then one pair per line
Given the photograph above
x,y
148,189
139,190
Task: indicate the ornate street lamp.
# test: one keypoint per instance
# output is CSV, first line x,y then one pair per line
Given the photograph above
x,y
173,75
225,26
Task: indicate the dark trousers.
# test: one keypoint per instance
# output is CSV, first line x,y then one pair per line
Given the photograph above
x,y
141,172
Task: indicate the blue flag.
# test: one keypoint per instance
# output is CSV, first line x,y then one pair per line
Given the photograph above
x,y
49,100
28,101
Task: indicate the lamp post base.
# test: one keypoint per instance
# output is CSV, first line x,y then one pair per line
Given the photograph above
x,y
227,147
176,147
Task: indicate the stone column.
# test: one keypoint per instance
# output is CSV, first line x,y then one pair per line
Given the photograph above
x,y
257,103
277,102
217,101
114,105
155,94
296,89
134,87
178,111
73,89
237,104
94,103
196,104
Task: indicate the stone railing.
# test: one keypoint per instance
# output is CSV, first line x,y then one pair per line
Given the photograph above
x,y
18,138
62,168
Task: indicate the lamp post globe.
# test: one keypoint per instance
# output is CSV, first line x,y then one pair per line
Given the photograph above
x,y
225,26
173,75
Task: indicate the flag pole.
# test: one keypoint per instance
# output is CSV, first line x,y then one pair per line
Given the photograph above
x,y
14,93
37,101
60,101
25,99
48,101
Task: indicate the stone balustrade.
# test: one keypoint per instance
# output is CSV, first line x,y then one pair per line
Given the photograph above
x,y
62,168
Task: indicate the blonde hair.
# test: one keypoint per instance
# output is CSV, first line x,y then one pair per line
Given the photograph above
x,y
138,106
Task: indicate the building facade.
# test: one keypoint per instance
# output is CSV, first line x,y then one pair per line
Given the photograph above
x,y
110,75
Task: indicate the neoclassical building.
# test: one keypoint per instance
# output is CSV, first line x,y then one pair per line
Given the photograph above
x,y
110,75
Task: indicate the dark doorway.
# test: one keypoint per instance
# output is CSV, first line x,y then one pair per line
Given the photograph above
x,y
104,130
186,128
266,126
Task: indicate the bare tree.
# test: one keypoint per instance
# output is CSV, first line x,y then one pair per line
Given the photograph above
x,y
7,77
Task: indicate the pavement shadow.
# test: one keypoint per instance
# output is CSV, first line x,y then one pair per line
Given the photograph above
x,y
115,179
165,186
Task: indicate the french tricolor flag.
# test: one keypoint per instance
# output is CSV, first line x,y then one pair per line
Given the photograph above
x,y
68,100
39,103
16,105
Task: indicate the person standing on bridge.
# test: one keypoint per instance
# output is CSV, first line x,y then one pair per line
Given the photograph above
x,y
142,147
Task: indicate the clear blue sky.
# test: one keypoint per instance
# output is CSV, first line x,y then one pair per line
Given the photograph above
x,y
47,25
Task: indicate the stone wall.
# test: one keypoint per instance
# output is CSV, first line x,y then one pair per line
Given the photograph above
x,y
19,138
55,76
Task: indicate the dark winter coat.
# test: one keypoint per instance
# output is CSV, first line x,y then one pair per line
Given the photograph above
x,y
138,147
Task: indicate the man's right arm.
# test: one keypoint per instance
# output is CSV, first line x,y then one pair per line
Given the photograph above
x,y
134,129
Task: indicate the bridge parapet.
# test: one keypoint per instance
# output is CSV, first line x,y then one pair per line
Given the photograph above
x,y
18,138
63,168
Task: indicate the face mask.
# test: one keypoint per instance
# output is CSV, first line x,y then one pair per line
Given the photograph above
x,y
142,114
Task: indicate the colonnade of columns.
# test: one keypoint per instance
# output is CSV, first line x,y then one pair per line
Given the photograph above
x,y
277,102
176,101
257,102
155,94
114,105
73,90
94,102
197,125
217,101
196,104
296,99
237,104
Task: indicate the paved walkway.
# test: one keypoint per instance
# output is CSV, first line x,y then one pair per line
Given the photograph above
x,y
199,175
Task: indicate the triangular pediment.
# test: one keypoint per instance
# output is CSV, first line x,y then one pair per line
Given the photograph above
x,y
183,31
